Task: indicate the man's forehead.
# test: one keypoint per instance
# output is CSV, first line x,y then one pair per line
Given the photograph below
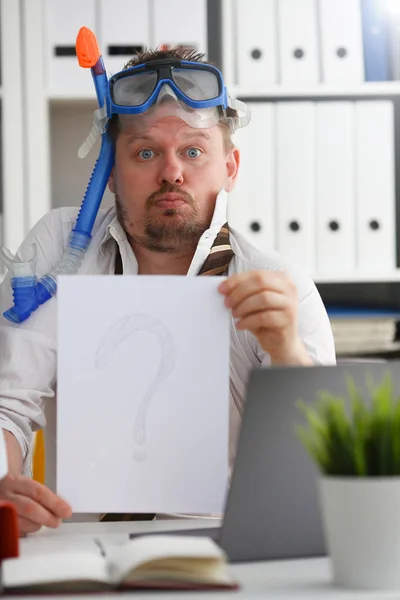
x,y
169,127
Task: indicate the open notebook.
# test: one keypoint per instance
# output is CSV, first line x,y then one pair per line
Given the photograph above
x,y
170,562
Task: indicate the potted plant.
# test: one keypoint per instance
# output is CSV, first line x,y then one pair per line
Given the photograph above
x,y
355,442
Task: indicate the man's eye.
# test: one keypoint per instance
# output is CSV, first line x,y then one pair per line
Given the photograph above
x,y
193,152
146,154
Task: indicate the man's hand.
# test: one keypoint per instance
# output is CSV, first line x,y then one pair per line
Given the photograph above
x,y
36,505
265,303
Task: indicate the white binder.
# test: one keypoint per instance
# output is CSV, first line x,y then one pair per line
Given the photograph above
x,y
124,29
341,41
394,45
251,203
255,43
295,182
336,231
298,42
64,76
375,174
179,22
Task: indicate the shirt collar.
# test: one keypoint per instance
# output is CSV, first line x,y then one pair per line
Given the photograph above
x,y
208,237
113,230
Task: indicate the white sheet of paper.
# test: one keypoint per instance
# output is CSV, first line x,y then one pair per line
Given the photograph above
x,y
143,394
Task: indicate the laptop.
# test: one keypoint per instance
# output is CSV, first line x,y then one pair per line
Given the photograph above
x,y
272,508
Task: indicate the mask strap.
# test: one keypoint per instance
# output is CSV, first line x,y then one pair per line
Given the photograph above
x,y
243,117
100,120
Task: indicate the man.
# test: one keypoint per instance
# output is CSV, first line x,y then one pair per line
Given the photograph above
x,y
173,167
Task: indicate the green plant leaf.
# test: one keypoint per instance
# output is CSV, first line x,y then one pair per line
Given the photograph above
x,y
396,438
355,435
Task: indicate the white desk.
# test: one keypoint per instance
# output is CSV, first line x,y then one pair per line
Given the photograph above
x,y
281,580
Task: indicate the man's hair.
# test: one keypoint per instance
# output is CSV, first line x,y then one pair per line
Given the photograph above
x,y
173,53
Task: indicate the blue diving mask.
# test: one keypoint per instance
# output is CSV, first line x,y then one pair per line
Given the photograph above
x,y
193,85
194,92
136,89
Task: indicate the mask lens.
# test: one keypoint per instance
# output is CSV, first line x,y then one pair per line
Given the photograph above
x,y
134,90
196,84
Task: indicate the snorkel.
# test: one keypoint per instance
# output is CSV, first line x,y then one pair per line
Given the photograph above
x,y
141,94
28,292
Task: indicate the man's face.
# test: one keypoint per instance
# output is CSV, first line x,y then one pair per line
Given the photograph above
x,y
166,180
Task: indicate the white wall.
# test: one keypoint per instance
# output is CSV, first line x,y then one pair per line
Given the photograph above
x,y
70,123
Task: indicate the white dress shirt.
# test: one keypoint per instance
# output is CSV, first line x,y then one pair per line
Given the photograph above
x,y
28,378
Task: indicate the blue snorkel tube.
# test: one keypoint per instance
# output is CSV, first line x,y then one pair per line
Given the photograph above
x,y
28,292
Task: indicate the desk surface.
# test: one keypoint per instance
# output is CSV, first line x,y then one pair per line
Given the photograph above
x,y
281,580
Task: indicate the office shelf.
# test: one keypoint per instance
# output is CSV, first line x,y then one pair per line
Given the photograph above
x,y
357,277
73,97
384,88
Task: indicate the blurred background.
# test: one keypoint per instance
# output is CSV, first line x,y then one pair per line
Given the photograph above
x,y
320,174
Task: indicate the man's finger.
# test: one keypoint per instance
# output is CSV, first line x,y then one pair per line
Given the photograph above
x,y
26,526
30,510
264,279
251,287
264,300
272,319
42,496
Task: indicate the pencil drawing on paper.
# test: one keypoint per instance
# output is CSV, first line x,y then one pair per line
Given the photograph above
x,y
111,340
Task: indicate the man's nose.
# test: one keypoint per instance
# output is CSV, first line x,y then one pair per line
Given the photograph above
x,y
171,170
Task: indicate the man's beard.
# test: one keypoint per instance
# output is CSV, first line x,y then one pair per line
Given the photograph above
x,y
165,233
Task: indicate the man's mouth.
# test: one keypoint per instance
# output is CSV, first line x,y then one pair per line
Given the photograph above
x,y
170,200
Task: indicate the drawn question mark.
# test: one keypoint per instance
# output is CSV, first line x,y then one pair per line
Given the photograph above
x,y
117,333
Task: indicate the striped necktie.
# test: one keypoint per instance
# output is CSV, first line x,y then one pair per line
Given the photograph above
x,y
216,263
220,255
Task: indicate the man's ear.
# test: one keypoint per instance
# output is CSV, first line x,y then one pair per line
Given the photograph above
x,y
111,181
232,168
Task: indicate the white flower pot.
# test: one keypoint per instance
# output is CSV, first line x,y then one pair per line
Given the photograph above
x,y
361,518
